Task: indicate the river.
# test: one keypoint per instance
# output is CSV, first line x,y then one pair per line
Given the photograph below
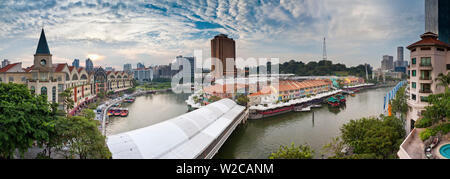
x,y
258,138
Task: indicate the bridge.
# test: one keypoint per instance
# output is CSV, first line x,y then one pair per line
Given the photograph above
x,y
195,135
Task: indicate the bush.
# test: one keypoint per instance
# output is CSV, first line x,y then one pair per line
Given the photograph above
x,y
293,152
444,129
426,134
424,123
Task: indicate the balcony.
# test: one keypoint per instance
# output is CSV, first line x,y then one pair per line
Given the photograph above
x,y
425,91
426,66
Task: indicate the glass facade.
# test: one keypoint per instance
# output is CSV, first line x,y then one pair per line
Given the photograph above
x,y
437,18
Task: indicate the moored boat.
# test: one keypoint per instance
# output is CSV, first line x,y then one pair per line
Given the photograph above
x,y
124,113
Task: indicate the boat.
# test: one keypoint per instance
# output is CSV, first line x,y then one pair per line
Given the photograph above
x,y
307,109
117,112
129,99
124,113
110,112
341,98
333,101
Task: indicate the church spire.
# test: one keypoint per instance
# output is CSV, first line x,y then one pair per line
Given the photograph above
x,y
43,46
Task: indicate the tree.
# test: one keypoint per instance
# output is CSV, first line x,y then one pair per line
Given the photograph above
x,y
293,152
88,113
242,100
439,107
24,118
213,99
82,138
443,80
399,103
67,99
377,137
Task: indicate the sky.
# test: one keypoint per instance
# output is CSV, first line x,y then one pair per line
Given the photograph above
x,y
155,32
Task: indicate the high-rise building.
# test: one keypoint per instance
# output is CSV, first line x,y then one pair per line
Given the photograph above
x,y
140,65
387,63
89,65
224,49
191,61
127,67
437,18
429,58
400,56
76,63
109,69
5,63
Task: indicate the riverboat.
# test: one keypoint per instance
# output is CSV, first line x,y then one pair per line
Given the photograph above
x,y
124,113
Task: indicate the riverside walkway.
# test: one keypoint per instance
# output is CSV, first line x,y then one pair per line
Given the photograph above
x,y
195,135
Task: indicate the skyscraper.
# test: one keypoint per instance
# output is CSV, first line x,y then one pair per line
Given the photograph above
x,y
387,63
127,67
76,63
89,65
400,56
437,18
140,65
223,48
5,62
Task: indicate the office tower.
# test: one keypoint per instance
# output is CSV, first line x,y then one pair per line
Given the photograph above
x,y
5,63
223,48
76,63
140,65
437,18
127,67
387,63
400,58
89,65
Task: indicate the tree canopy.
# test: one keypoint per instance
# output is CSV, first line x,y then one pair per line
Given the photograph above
x,y
24,118
293,152
322,68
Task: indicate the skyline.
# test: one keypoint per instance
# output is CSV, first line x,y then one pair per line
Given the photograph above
x,y
155,33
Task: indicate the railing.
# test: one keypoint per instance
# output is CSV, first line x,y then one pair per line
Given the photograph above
x,y
426,78
426,91
425,64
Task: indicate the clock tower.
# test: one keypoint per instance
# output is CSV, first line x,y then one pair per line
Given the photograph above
x,y
42,57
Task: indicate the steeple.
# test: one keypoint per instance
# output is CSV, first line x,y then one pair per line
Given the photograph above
x,y
43,46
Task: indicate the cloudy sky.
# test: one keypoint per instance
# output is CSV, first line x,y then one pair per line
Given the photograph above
x,y
154,32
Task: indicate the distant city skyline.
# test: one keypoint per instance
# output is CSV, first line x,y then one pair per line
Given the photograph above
x,y
132,32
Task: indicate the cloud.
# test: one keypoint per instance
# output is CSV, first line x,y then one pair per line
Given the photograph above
x,y
155,32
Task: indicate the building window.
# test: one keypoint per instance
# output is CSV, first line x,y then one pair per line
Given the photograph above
x,y
59,78
33,90
413,85
1,79
413,50
54,94
413,97
413,61
424,98
11,79
441,49
425,61
24,79
425,48
448,66
44,91
414,73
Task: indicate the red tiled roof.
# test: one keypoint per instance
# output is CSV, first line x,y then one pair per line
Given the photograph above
x,y
60,67
79,69
71,68
8,67
428,39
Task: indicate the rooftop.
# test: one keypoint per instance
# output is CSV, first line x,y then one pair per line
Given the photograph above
x,y
429,39
42,45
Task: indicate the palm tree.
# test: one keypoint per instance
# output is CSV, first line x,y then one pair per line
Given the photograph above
x,y
444,80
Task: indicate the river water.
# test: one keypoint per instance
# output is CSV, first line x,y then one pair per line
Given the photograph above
x,y
258,138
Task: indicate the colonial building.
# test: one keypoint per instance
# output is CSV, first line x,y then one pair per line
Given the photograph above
x,y
47,78
429,58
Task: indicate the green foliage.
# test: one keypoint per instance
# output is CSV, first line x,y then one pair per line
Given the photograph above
x,y
322,68
443,80
380,137
213,99
423,123
399,104
131,90
242,100
427,133
67,98
358,156
81,137
293,152
88,113
24,118
439,108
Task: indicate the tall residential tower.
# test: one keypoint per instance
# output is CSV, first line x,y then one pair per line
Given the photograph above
x,y
437,18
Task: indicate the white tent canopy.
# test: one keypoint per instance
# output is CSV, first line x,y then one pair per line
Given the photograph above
x,y
184,137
